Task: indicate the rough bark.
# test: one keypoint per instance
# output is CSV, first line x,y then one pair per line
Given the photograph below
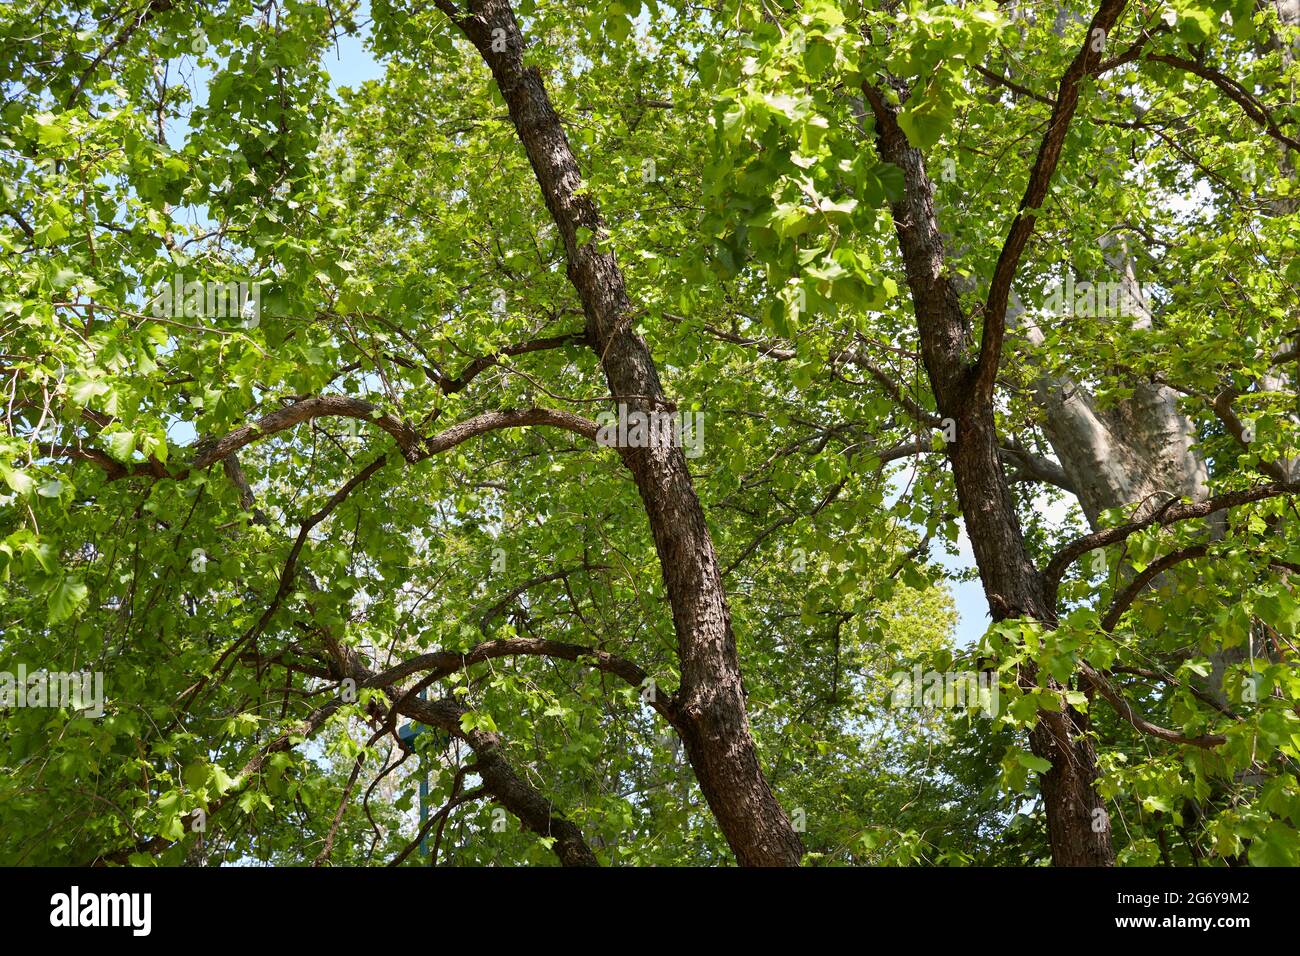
x,y
713,721
1013,586
499,778
963,386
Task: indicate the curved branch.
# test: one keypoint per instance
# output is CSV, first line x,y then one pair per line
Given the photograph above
x,y
440,664
508,418
514,793
450,385
1223,408
1125,598
1249,103
414,448
1125,710
513,594
212,450
1034,467
1171,513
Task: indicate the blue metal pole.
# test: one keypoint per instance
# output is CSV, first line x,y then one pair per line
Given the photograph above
x,y
424,808
408,733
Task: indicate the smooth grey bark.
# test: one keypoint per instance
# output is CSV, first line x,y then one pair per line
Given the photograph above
x,y
1140,451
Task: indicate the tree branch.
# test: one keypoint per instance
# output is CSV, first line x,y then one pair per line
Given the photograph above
x,y
1249,103
1172,512
1126,710
440,664
1125,598
1086,62
414,448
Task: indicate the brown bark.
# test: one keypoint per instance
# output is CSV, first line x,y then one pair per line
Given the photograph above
x,y
963,388
499,779
710,704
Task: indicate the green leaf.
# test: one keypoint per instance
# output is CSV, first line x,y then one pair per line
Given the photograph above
x,y
173,829
195,775
83,392
1031,762
50,489
818,55
221,781
17,480
66,598
121,445
925,122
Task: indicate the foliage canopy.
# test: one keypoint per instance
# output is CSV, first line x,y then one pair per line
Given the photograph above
x,y
825,230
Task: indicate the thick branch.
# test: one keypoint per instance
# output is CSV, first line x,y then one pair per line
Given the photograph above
x,y
1249,103
1125,598
1086,62
439,664
513,792
452,385
414,448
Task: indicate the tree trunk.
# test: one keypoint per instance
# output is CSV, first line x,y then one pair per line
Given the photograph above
x,y
1140,451
713,721
1013,585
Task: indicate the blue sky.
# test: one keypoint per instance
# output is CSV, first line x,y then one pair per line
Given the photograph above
x,y
351,63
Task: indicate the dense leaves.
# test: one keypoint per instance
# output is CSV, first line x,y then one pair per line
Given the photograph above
x,y
203,233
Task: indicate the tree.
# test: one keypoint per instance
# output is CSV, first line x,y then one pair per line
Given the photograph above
x,y
1122,442
326,405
